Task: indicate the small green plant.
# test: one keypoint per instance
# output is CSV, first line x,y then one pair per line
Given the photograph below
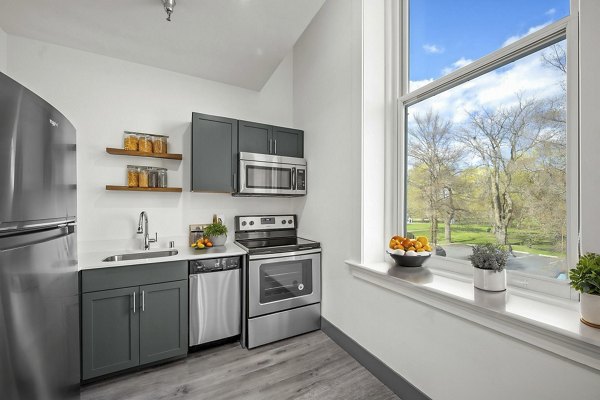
x,y
489,256
585,277
216,229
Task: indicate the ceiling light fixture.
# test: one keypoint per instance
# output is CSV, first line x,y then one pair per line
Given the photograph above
x,y
169,6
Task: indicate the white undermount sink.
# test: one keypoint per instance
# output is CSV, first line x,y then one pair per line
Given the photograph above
x,y
141,256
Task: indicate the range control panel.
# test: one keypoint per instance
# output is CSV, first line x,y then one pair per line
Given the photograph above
x,y
265,222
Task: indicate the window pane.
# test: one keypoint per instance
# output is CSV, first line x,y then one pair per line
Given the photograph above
x,y
446,35
487,163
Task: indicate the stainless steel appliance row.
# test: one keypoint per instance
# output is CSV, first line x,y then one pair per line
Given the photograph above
x,y
269,175
39,286
281,280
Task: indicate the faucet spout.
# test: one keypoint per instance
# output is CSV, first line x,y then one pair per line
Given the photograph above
x,y
143,229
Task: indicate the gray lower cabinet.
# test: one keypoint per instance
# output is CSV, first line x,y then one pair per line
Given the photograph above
x,y
110,331
143,322
163,316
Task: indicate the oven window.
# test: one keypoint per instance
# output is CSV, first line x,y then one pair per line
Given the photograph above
x,y
285,280
268,177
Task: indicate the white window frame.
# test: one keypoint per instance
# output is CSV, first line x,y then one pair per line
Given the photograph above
x,y
567,27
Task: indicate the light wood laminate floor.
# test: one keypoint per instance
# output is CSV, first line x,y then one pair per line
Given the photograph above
x,y
310,366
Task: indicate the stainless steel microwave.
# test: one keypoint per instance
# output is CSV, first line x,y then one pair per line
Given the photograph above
x,y
268,175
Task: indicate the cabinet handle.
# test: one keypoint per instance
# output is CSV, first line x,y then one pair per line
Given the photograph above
x,y
270,146
133,295
143,301
275,140
293,178
234,178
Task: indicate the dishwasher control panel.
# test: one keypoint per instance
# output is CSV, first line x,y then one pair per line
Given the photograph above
x,y
214,264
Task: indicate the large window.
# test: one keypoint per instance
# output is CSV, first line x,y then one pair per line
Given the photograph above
x,y
486,131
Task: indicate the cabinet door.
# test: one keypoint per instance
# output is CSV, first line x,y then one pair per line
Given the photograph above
x,y
255,138
110,331
288,142
163,321
214,154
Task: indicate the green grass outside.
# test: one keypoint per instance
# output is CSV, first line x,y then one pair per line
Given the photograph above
x,y
479,234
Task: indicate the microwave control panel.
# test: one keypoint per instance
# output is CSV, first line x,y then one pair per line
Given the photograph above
x,y
300,179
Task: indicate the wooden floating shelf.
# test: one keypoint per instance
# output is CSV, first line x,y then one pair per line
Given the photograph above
x,y
121,152
139,189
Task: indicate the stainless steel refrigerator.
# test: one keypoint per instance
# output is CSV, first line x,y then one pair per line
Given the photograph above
x,y
39,285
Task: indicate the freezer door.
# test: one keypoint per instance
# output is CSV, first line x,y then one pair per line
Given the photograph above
x,y
215,306
39,316
37,160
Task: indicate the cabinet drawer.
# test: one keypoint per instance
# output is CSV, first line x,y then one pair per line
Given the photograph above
x,y
133,275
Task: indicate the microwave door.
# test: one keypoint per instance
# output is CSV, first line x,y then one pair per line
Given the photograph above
x,y
262,178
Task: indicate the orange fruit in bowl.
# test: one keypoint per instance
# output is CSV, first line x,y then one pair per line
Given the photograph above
x,y
407,243
209,244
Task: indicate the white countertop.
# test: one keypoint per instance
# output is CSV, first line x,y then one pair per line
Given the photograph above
x,y
93,259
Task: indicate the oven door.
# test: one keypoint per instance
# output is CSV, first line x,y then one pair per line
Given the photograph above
x,y
281,283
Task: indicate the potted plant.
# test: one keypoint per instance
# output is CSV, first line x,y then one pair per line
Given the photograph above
x,y
489,262
585,278
217,233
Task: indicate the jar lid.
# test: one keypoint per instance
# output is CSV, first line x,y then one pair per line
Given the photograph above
x,y
135,166
144,134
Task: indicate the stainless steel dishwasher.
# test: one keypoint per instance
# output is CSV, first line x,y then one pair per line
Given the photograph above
x,y
215,299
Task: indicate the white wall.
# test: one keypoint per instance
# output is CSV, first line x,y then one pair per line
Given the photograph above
x,y
444,356
3,50
103,96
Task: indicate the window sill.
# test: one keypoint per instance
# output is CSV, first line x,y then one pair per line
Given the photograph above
x,y
548,323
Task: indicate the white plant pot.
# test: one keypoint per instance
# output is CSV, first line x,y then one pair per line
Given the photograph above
x,y
490,280
218,240
590,308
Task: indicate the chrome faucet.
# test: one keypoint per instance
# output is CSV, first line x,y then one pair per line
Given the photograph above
x,y
143,229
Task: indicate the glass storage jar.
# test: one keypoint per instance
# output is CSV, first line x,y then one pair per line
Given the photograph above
x,y
133,176
162,177
130,141
143,181
152,177
145,143
159,144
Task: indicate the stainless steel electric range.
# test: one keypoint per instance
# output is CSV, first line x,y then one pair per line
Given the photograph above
x,y
281,279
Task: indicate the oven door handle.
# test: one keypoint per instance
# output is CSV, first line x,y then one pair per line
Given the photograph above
x,y
288,254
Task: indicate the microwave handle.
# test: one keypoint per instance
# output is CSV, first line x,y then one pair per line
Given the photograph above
x,y
293,178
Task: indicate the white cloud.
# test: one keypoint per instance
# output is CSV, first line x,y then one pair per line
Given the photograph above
x,y
433,49
461,62
414,85
529,76
550,12
514,38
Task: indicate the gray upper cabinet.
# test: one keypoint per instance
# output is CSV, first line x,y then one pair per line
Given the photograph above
x,y
268,139
163,321
217,141
255,138
123,327
110,331
288,142
214,154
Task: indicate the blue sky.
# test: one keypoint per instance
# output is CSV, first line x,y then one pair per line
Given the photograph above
x,y
443,32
